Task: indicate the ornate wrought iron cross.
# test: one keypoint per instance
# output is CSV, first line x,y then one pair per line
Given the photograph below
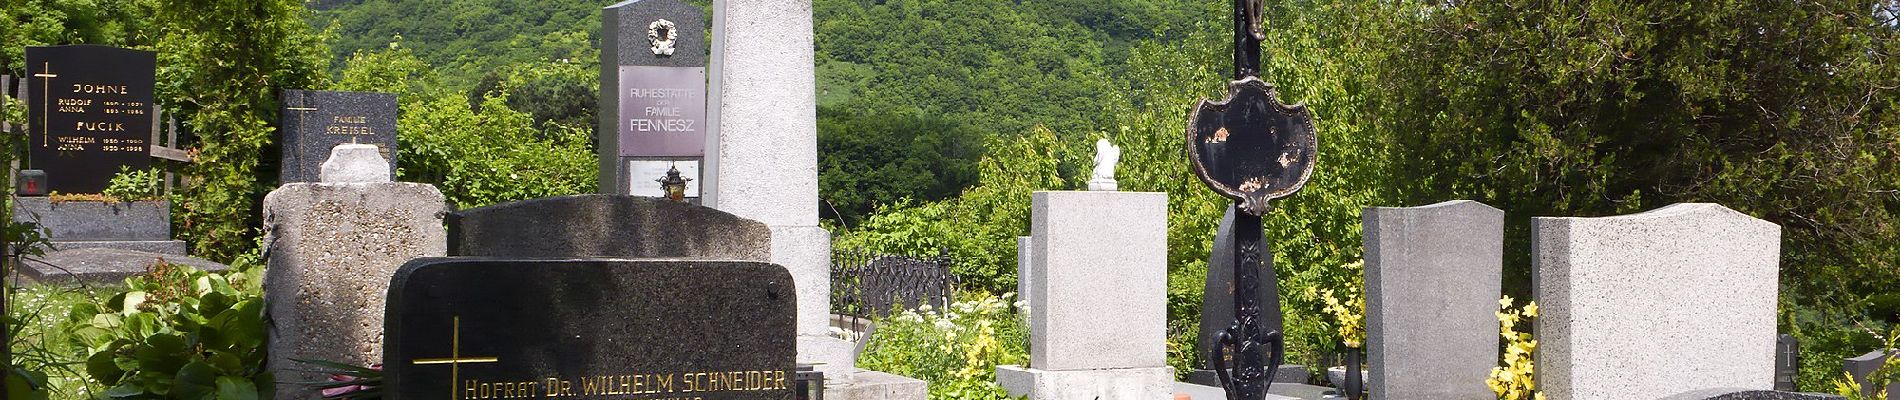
x,y
1253,149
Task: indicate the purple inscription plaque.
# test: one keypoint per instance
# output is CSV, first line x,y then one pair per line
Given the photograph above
x,y
662,111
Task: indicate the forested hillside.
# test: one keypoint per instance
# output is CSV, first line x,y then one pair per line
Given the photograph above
x,y
938,118
909,90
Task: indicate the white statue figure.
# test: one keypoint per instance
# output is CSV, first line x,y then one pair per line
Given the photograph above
x,y
1106,156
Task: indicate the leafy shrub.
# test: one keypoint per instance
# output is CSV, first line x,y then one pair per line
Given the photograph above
x,y
956,351
480,155
1882,377
129,185
1347,305
179,333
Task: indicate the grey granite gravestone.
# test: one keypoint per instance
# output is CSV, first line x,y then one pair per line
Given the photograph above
x,y
1864,366
613,226
1787,361
1433,276
652,94
314,121
539,328
332,248
1025,266
1627,301
90,114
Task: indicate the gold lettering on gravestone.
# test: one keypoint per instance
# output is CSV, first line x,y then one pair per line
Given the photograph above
x,y
669,386
349,125
455,359
80,106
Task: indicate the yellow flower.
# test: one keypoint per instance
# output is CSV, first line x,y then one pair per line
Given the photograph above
x,y
1504,302
1530,310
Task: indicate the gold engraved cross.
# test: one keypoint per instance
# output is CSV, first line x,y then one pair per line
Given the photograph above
x,y
455,359
303,123
46,91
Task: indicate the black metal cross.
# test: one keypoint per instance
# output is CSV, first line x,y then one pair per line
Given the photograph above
x,y
1251,148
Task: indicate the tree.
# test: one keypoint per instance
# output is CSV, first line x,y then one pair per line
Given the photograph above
x,y
221,65
1786,111
867,160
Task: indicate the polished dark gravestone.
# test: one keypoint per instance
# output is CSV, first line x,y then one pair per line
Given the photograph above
x,y
1217,306
652,95
1864,366
1251,148
313,121
1787,361
89,114
476,328
613,226
1745,394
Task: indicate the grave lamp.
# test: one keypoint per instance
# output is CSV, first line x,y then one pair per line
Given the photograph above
x,y
674,184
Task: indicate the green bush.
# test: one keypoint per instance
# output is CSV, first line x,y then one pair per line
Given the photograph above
x,y
178,333
129,185
483,154
955,350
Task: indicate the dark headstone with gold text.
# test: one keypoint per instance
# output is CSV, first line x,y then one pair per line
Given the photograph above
x,y
314,121
482,328
90,113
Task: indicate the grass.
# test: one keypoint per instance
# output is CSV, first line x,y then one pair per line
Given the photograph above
x,y
40,345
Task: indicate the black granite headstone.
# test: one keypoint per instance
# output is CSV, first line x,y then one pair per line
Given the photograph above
x,y
598,225
590,329
90,113
652,93
1746,394
1787,361
314,121
1864,366
1217,300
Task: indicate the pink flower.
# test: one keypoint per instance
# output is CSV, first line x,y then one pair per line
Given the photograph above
x,y
343,390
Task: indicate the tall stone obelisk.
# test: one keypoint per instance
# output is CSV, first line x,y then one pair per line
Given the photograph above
x,y
762,158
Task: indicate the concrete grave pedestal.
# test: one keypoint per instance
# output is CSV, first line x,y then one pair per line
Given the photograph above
x,y
1670,300
1098,318
333,248
1433,275
100,243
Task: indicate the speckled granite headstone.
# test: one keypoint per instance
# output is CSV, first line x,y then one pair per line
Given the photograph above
x,y
1670,300
598,225
590,329
332,249
315,121
1433,275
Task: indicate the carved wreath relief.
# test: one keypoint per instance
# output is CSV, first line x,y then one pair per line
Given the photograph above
x,y
662,35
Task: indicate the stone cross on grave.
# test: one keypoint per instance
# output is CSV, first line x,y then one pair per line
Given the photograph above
x,y
1251,148
455,359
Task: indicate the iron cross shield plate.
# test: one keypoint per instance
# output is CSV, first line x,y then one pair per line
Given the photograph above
x,y
1250,147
